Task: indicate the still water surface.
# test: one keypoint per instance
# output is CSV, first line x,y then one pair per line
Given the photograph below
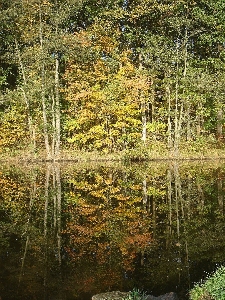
x,y
71,231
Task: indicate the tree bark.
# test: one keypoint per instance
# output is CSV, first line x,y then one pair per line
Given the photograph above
x,y
44,109
169,125
219,123
144,122
26,99
57,110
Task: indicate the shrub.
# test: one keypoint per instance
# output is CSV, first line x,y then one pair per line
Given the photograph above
x,y
212,289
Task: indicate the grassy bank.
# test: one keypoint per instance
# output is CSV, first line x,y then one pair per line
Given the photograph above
x,y
198,150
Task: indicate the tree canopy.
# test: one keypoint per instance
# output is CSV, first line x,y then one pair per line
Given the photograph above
x,y
109,75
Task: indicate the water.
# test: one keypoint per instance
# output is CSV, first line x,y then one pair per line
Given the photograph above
x,y
71,231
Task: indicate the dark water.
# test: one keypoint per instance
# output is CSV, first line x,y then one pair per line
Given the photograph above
x,y
71,231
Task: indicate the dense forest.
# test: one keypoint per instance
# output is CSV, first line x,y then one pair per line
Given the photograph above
x,y
110,75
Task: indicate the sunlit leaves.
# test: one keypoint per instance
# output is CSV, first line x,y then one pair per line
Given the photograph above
x,y
13,128
109,107
121,63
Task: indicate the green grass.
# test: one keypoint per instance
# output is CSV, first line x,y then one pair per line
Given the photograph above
x,y
212,289
136,294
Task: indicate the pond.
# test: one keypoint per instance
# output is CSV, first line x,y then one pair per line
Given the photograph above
x,y
69,231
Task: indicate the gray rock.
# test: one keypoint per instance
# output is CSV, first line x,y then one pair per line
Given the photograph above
x,y
110,296
120,296
168,296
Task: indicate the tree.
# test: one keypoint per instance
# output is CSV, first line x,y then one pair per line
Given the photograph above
x,y
38,35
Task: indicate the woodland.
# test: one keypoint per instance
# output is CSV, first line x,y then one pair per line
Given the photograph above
x,y
111,75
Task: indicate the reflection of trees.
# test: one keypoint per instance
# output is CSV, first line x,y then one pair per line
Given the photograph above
x,y
105,228
107,224
184,203
34,219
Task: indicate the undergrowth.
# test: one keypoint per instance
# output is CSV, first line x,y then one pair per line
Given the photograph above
x,y
136,294
212,289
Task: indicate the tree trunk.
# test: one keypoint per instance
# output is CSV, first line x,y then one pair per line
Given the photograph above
x,y
144,122
176,126
188,121
26,99
44,109
219,123
57,110
169,125
199,119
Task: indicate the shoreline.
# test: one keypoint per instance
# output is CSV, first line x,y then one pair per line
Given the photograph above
x,y
117,157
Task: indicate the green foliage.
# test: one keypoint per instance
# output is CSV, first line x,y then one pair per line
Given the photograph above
x,y
137,154
212,288
136,294
112,72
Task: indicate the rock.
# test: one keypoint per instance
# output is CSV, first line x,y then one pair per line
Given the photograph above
x,y
168,296
120,296
110,296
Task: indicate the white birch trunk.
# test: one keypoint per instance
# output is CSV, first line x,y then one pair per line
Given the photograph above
x,y
44,108
57,110
26,99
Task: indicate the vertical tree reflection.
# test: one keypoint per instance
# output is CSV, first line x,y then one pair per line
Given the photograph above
x,y
76,231
52,220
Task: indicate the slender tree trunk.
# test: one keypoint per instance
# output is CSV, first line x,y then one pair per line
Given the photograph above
x,y
176,126
53,125
143,106
188,121
43,96
185,52
26,99
199,120
187,106
144,122
57,109
219,122
152,103
169,125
